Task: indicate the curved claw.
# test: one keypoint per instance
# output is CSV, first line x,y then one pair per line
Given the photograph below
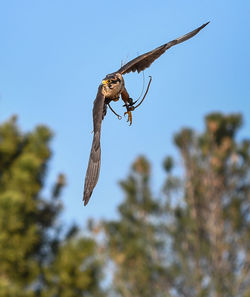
x,y
129,113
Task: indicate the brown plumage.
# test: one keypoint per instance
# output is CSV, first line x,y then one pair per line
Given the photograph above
x,y
110,90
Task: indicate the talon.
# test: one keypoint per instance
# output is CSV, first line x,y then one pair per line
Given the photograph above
x,y
129,113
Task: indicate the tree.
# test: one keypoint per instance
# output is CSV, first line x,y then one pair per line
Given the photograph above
x,y
194,240
36,259
132,243
210,227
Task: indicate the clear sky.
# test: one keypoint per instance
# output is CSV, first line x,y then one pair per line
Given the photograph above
x,y
54,53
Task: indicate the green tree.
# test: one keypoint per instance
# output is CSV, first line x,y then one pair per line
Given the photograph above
x,y
194,240
36,259
132,243
210,226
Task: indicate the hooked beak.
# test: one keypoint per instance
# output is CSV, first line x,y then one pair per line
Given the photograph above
x,y
105,82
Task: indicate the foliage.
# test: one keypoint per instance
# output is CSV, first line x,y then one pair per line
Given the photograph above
x,y
132,241
194,241
210,228
35,258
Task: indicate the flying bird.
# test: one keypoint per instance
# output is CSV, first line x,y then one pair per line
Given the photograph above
x,y
111,88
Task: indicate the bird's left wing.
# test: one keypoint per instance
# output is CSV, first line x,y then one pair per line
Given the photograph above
x,y
93,170
144,61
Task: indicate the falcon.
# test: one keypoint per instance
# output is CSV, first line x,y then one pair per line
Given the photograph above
x,y
111,88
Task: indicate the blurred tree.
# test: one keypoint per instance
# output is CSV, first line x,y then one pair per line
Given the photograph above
x,y
134,248
194,241
209,227
35,258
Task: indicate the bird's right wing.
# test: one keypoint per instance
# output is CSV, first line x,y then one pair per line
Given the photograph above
x,y
144,61
93,170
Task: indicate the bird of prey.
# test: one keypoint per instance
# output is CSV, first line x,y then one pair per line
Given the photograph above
x,y
111,88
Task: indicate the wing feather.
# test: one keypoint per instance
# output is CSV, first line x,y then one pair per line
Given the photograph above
x,y
93,169
144,61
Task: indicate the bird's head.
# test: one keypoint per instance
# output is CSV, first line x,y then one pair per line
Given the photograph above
x,y
113,84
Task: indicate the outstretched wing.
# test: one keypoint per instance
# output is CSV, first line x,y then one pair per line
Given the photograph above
x,y
93,170
144,61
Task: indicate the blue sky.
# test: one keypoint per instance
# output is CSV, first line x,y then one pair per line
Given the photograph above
x,y
53,55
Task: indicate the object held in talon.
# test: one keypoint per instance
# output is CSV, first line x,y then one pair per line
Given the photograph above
x,y
111,88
